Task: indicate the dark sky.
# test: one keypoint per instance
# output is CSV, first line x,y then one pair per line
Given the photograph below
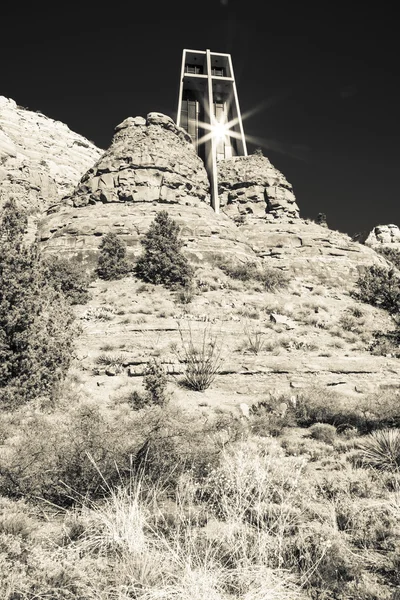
x,y
325,84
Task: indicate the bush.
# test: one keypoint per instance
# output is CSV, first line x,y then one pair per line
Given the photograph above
x,y
112,263
68,277
324,406
36,322
391,254
380,287
162,261
155,383
323,432
271,278
68,456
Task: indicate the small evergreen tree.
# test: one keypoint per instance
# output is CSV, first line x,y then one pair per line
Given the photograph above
x,y
162,260
321,219
36,323
380,286
68,277
112,262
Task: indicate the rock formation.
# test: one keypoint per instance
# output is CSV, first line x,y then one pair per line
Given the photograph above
x,y
150,165
250,186
384,235
41,160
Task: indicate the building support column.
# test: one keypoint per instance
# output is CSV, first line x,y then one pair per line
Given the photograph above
x,y
212,155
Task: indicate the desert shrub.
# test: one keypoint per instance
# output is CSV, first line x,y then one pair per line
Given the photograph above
x,y
271,278
69,277
155,384
185,295
391,254
255,339
115,361
176,444
324,406
162,261
385,343
63,458
380,287
321,219
381,449
112,262
271,416
36,322
323,432
321,554
202,359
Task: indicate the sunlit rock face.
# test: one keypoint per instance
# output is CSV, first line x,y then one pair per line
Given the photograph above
x,y
149,160
41,160
251,187
384,235
150,166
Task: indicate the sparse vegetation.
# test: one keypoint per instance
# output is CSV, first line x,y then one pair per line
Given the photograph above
x,y
272,279
162,261
138,488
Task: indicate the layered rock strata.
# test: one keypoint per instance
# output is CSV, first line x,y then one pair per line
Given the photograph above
x,y
151,165
41,160
251,187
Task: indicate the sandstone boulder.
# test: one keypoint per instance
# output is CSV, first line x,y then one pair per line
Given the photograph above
x,y
250,186
149,160
41,160
386,235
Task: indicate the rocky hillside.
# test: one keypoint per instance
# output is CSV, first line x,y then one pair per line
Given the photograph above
x,y
151,164
41,160
310,330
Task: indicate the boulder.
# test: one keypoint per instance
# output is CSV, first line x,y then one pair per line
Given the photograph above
x,y
251,187
384,235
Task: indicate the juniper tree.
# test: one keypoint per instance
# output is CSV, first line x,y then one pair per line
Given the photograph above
x,y
112,263
36,323
162,261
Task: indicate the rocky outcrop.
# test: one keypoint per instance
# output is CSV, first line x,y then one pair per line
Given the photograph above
x,y
151,165
386,235
149,160
250,186
41,160
307,249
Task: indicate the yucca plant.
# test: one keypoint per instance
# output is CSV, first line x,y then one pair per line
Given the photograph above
x,y
381,449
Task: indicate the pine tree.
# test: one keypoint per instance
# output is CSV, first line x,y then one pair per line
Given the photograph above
x,y
162,261
36,323
112,263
